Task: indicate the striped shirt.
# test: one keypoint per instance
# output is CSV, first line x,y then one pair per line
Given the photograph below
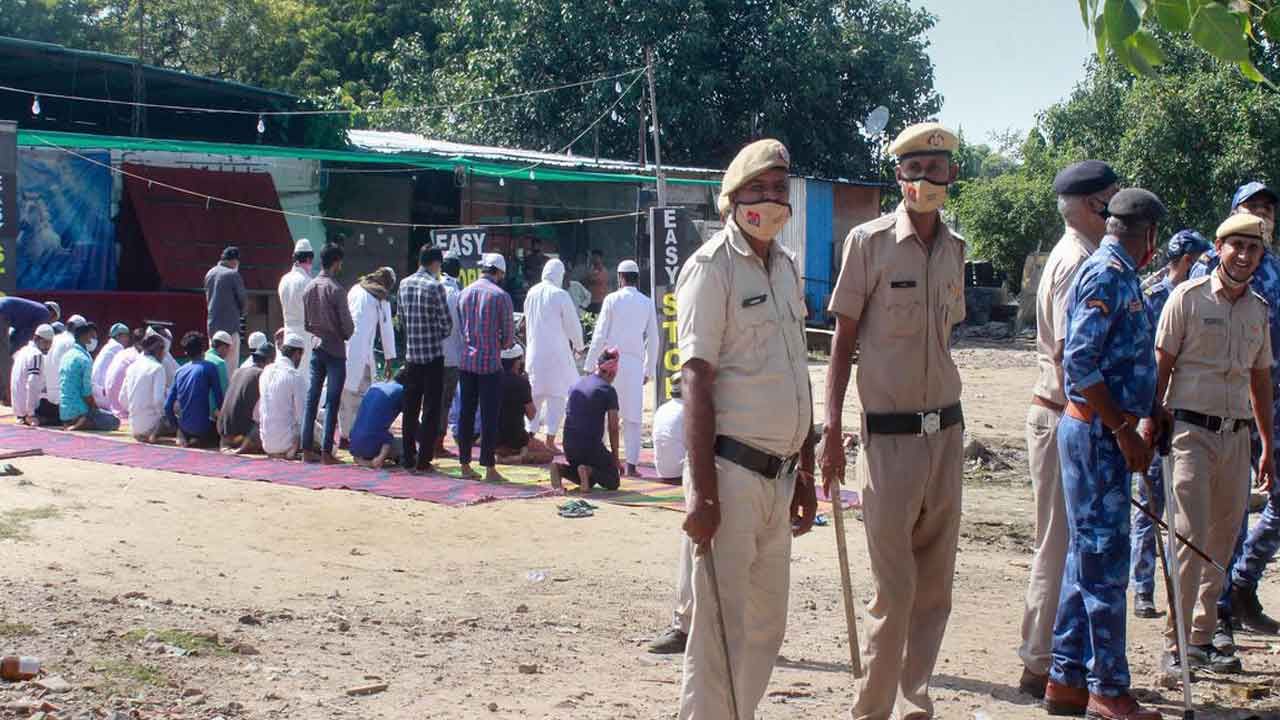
x,y
426,317
488,326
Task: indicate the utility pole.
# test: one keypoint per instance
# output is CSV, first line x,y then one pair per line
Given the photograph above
x,y
657,142
137,72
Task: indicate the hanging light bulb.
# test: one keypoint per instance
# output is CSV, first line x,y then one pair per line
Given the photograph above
x,y
531,175
502,182
617,86
262,126
35,105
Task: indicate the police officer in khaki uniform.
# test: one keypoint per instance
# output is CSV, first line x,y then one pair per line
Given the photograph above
x,y
900,291
748,419
1213,349
1083,190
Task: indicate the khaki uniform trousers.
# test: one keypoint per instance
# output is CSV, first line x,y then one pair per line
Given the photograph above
x,y
1050,559
752,550
1208,506
911,512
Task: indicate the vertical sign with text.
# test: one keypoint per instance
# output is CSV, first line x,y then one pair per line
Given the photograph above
x,y
8,206
467,244
672,239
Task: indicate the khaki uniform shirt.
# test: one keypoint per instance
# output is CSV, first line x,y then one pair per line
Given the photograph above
x,y
746,320
905,299
1216,343
1051,310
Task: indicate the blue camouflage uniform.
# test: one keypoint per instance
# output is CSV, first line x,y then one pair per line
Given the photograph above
x,y
1254,553
1110,339
1143,558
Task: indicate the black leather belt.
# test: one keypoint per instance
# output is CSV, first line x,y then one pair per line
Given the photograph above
x,y
1212,423
757,461
921,423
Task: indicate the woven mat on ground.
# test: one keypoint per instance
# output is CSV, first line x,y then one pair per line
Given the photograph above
x,y
444,487
647,491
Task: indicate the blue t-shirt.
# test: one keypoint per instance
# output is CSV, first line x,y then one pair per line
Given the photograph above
x,y
198,391
378,409
590,401
23,313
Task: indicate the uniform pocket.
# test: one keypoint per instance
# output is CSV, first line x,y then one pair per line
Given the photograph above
x,y
1249,346
905,315
758,326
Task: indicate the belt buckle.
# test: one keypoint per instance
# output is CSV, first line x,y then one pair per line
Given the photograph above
x,y
789,465
1225,424
930,422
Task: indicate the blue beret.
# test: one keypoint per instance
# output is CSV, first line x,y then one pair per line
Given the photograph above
x,y
1083,178
1248,190
1137,204
1186,242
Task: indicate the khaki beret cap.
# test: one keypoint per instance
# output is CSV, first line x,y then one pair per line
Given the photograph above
x,y
1241,224
924,138
751,160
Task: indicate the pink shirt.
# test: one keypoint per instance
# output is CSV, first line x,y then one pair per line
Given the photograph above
x,y
115,380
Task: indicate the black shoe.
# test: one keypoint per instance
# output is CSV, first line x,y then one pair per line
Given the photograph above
x,y
1144,606
1224,638
671,642
1207,657
1248,611
1033,684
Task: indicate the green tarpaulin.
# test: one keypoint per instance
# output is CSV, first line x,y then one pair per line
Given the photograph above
x,y
484,168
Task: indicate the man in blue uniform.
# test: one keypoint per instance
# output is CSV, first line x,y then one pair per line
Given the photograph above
x,y
1239,605
1109,370
1185,249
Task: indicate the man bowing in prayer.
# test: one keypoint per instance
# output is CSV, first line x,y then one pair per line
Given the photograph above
x,y
554,333
628,322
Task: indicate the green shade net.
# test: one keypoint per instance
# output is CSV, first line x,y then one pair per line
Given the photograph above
x,y
483,168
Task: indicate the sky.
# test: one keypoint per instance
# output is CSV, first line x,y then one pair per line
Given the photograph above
x,y
999,62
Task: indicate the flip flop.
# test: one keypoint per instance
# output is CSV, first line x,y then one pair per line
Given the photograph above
x,y
576,509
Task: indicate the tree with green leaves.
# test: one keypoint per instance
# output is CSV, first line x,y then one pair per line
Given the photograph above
x,y
1234,31
727,71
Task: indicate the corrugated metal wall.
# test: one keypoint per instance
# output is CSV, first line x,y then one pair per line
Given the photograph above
x,y
819,236
793,233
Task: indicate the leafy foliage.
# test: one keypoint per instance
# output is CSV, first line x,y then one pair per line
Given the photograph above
x,y
1232,31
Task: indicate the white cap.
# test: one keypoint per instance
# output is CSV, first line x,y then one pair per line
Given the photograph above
x,y
222,336
257,340
55,307
628,266
45,331
493,260
75,321
513,352
302,246
152,332
294,340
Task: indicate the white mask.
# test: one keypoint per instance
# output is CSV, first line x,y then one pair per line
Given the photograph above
x,y
924,196
93,345
762,220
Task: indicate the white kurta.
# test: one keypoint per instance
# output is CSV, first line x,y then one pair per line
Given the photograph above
x,y
100,366
281,400
554,334
26,380
369,315
629,322
143,393
292,286
668,439
62,342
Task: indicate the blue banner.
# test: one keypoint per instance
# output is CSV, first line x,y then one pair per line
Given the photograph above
x,y
66,239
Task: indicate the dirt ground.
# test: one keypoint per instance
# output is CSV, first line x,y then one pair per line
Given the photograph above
x,y
292,598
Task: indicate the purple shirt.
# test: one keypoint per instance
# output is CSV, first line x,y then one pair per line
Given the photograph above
x,y
488,326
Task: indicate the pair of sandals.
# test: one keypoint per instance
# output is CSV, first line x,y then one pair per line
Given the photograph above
x,y
577,509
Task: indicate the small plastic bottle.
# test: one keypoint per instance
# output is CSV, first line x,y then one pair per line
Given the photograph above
x,y
14,668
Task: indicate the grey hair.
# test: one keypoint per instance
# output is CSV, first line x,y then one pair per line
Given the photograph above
x,y
1068,204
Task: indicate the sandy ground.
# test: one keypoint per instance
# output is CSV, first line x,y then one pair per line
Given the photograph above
x,y
292,597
